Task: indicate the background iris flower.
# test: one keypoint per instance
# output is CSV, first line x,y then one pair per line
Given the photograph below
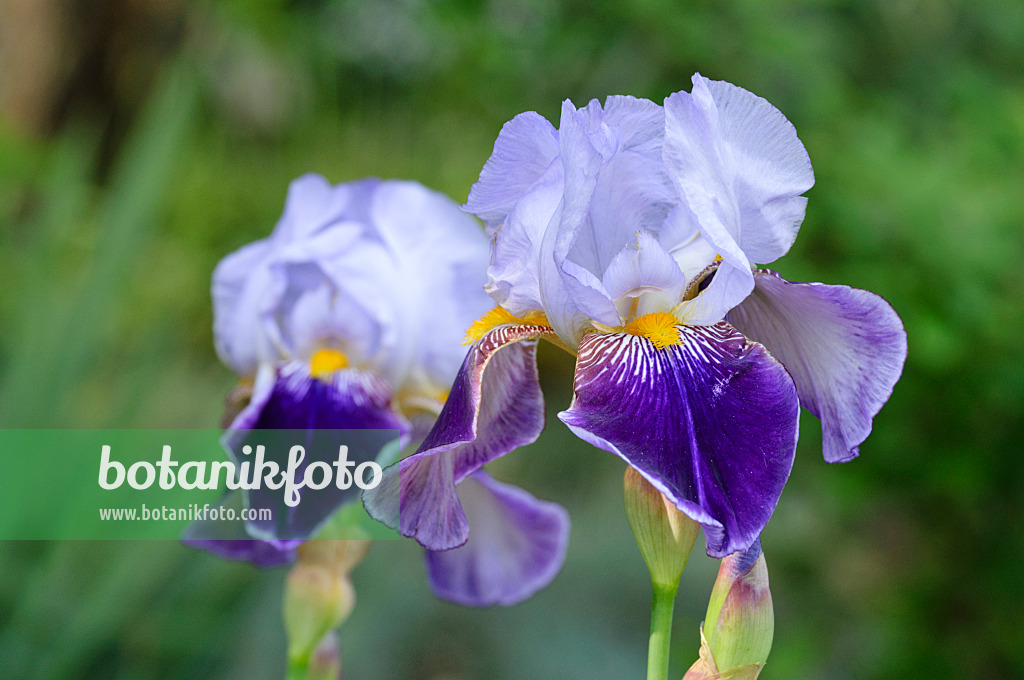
x,y
628,237
349,316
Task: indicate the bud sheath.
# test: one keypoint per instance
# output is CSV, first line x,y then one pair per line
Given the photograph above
x,y
665,535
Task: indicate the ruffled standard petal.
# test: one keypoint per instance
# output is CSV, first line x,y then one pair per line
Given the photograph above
x,y
741,169
844,347
494,406
526,146
711,422
740,165
240,285
615,186
518,259
517,547
290,407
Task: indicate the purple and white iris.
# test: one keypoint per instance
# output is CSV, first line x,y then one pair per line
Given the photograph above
x,y
629,236
350,316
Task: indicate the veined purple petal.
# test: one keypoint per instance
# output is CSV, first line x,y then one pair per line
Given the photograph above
x,y
517,547
494,406
290,407
711,422
844,347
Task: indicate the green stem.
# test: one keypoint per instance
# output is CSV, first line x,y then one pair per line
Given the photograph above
x,y
662,604
297,669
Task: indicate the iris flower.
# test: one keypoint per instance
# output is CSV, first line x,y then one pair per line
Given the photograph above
x,y
350,316
628,236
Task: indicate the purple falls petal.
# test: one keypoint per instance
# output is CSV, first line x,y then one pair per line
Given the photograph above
x,y
494,406
230,540
711,423
259,553
517,547
844,347
289,407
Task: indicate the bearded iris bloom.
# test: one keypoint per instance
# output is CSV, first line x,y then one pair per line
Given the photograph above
x,y
628,236
350,316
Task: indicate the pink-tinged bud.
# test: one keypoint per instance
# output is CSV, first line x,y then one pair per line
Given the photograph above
x,y
665,535
318,594
737,633
325,664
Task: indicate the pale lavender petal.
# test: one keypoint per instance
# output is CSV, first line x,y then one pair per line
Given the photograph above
x,y
741,169
711,422
582,140
647,272
289,407
526,146
494,406
844,347
615,186
728,287
640,123
442,255
325,302
740,165
769,166
517,256
588,295
517,546
239,288
312,204
693,155
382,270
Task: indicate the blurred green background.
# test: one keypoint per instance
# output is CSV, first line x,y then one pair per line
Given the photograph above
x,y
143,140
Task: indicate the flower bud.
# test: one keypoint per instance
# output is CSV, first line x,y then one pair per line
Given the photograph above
x,y
665,535
737,633
316,601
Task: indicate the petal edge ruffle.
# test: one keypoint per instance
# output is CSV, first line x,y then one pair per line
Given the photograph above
x,y
470,432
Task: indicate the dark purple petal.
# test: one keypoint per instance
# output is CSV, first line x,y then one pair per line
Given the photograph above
x,y
844,347
260,553
517,547
472,430
229,539
290,407
711,423
292,399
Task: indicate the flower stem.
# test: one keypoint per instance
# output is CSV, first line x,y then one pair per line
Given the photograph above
x,y
662,605
297,670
